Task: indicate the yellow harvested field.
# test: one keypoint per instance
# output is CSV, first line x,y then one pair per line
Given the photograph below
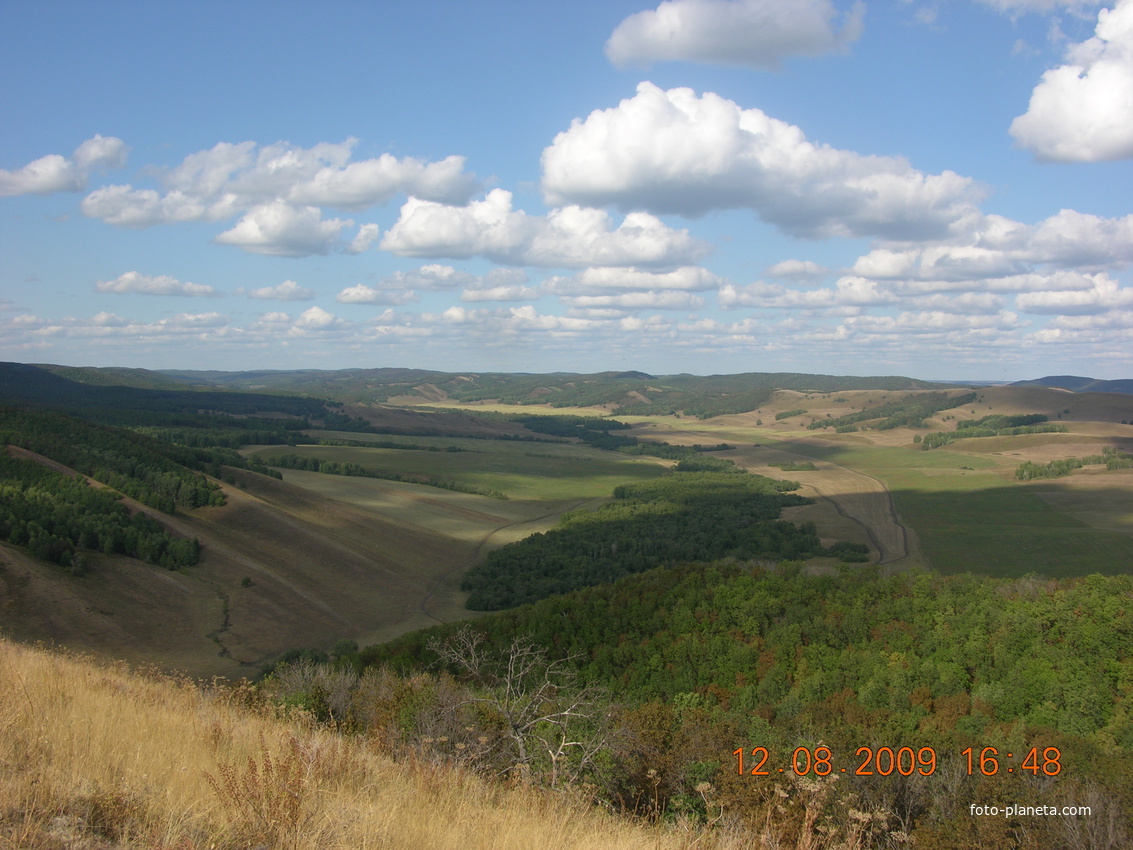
x,y
855,496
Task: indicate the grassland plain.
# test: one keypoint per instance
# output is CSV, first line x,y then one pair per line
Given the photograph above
x,y
967,510
328,557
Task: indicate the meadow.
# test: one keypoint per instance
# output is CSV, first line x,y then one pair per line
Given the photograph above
x,y
523,470
954,509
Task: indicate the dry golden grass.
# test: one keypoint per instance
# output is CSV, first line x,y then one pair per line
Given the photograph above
x,y
93,756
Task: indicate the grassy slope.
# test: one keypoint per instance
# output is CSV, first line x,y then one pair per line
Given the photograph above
x,y
320,570
95,757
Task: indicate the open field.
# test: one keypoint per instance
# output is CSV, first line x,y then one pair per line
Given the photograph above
x,y
956,508
1103,500
521,470
961,503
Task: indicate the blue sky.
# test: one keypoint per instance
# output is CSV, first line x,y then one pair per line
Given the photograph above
x,y
938,189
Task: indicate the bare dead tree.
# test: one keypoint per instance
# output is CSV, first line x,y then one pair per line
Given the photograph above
x,y
537,701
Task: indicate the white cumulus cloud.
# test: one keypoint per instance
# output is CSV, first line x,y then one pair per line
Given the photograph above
x,y
55,173
1082,111
276,188
500,285
797,270
367,236
281,230
571,237
499,293
599,281
674,152
136,283
318,320
755,33
647,300
1106,294
289,290
362,294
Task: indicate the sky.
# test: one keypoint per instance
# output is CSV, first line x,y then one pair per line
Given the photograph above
x,y
934,188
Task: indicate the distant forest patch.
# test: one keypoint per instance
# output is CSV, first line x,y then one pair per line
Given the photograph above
x,y
684,516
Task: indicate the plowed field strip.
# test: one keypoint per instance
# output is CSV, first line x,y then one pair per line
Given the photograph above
x,y
855,495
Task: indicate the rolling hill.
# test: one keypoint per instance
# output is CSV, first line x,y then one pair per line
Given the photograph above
x,y
1078,384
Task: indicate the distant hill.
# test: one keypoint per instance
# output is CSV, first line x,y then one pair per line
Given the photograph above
x,y
81,390
116,376
628,392
1078,384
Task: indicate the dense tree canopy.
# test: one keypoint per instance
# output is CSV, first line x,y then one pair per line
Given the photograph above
x,y
682,517
57,517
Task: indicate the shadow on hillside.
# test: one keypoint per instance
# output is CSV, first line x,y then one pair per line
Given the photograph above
x,y
1059,527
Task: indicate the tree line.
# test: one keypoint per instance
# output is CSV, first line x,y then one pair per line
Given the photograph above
x,y
1110,457
684,516
334,467
59,518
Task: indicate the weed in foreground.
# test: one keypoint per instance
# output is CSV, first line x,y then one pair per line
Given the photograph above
x,y
265,800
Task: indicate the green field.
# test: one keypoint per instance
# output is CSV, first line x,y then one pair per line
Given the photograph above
x,y
963,503
971,515
521,470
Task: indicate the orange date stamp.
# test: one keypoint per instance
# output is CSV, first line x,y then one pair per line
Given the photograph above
x,y
904,761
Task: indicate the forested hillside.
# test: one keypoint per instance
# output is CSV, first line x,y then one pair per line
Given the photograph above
x,y
903,682
60,518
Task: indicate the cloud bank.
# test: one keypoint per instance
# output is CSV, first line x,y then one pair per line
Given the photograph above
x,y
676,152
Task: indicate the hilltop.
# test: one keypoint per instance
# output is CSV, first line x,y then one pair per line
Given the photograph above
x,y
98,757
1078,384
627,391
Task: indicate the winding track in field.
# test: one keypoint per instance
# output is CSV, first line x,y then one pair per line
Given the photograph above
x,y
895,545
858,497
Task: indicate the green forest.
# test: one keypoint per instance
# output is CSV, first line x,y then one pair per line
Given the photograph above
x,y
686,516
59,518
911,691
